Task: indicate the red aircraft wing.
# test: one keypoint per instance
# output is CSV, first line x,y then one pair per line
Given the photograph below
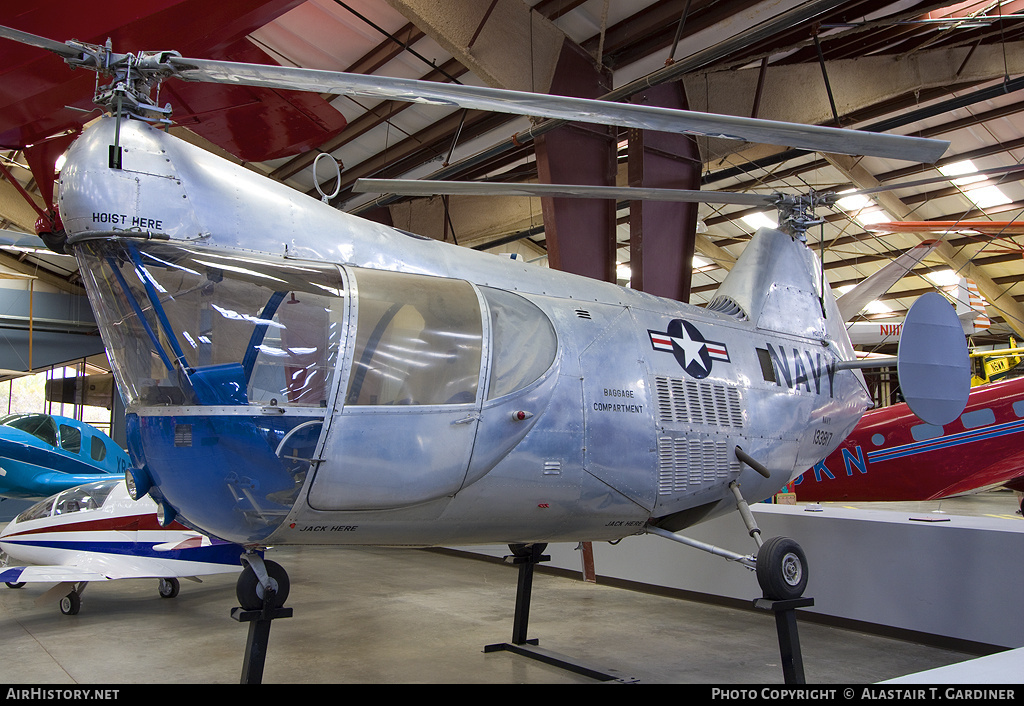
x,y
40,96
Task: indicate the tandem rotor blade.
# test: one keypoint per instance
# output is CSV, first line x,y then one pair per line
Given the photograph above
x,y
428,187
811,137
646,117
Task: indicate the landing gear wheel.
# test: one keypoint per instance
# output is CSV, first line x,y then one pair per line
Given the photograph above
x,y
169,587
781,569
250,593
14,585
71,604
524,551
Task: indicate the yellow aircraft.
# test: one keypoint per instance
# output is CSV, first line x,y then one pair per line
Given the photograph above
x,y
994,365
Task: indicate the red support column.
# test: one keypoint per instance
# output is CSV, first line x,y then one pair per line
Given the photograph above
x,y
662,233
580,232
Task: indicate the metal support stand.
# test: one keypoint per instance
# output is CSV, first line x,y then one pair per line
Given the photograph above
x,y
789,640
525,647
259,637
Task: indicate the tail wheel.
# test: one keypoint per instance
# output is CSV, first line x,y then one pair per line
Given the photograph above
x,y
250,592
781,569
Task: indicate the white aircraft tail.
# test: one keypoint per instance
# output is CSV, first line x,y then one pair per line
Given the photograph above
x,y
970,307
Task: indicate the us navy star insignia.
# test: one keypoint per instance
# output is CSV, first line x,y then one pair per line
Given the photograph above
x,y
694,352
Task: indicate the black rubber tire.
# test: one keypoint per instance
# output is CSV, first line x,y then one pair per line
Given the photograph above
x,y
71,604
169,587
781,569
249,592
20,584
527,550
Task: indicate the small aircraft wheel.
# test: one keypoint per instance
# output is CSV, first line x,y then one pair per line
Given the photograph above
x,y
71,604
250,593
781,569
169,588
524,551
20,584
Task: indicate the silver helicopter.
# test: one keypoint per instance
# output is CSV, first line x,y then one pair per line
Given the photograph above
x,y
296,375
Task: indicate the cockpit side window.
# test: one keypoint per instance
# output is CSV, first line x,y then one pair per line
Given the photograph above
x,y
524,342
418,341
70,439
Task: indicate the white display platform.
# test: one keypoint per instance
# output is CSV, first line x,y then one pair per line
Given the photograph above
x,y
946,575
1001,668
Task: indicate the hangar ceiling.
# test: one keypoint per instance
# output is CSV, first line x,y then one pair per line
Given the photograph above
x,y
934,69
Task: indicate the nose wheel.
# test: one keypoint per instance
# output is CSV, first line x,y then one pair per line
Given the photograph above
x,y
261,590
262,585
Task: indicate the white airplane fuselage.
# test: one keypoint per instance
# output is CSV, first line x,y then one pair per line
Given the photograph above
x,y
297,375
96,527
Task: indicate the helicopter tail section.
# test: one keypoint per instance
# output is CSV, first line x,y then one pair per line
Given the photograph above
x,y
777,284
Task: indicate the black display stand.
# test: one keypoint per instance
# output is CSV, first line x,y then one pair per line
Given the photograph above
x,y
789,640
525,647
258,640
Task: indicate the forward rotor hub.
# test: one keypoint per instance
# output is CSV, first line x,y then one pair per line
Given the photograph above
x,y
133,79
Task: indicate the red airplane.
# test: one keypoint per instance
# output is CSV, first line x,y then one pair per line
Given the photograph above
x,y
893,455
43,105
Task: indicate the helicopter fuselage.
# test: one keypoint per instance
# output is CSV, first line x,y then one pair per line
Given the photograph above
x,y
296,375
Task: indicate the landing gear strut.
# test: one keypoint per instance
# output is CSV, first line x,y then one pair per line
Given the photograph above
x,y
261,590
781,569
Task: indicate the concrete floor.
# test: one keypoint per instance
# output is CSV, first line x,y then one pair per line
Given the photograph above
x,y
416,616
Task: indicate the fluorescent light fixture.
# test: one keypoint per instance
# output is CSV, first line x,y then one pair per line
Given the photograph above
x,y
875,307
942,278
863,209
854,202
964,167
983,196
760,220
987,196
867,218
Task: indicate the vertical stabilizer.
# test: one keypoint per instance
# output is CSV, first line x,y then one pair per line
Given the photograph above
x,y
775,283
970,307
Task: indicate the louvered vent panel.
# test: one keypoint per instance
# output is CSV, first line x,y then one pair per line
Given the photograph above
x,y
727,306
688,464
698,402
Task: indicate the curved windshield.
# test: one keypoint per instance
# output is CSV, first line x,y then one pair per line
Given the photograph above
x,y
41,426
192,326
418,340
83,497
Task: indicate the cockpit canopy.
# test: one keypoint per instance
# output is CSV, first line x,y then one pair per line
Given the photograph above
x,y
90,496
188,326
